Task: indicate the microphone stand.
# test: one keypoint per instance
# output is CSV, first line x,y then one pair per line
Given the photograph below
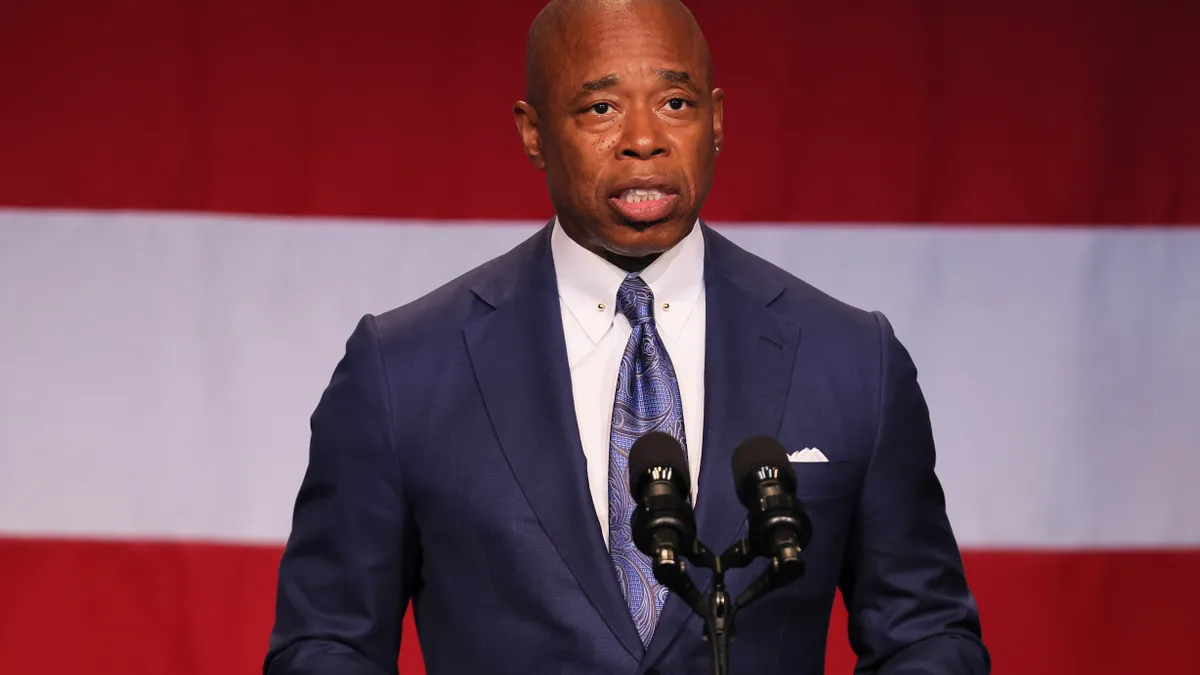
x,y
720,609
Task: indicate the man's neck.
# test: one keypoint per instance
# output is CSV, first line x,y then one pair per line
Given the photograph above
x,y
626,263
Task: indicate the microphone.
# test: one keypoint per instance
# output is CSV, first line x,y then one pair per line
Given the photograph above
x,y
766,484
663,525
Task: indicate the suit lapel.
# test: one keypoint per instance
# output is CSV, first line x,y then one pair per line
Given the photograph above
x,y
520,361
750,351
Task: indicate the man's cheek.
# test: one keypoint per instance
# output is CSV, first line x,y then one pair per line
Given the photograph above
x,y
604,145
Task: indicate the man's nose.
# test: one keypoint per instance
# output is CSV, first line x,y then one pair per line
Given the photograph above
x,y
642,136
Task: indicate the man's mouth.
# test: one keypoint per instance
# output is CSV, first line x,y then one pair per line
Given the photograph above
x,y
644,205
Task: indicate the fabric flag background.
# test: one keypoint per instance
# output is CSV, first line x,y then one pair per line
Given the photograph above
x,y
198,200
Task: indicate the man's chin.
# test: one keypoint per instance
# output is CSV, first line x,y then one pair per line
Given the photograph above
x,y
644,239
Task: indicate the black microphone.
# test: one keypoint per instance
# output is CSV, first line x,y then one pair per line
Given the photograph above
x,y
766,485
664,527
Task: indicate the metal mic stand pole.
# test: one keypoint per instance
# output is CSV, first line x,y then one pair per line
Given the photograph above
x,y
719,624
719,611
718,618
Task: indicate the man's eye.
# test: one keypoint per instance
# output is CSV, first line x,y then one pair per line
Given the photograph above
x,y
601,108
677,104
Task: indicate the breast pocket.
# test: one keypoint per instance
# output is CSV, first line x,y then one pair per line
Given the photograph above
x,y
826,480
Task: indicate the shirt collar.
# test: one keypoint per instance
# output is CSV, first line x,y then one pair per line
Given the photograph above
x,y
587,283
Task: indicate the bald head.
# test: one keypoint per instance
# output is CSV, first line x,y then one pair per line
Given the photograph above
x,y
558,25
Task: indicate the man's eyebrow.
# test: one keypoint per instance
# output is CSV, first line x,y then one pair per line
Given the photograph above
x,y
675,76
599,84
681,77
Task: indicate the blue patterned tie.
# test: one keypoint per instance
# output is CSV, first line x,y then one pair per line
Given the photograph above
x,y
647,400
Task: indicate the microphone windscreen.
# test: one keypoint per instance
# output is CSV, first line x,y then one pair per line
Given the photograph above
x,y
658,449
757,452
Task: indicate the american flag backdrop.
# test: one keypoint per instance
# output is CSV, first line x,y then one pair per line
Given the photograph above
x,y
198,199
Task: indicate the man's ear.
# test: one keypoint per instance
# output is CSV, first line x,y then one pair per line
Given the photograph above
x,y
531,138
718,99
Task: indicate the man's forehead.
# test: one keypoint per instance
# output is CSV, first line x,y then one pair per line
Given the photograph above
x,y
574,42
593,34
644,51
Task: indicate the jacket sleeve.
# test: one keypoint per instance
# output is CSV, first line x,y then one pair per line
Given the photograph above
x,y
910,610
351,560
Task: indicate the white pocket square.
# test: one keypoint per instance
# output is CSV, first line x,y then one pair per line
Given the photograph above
x,y
808,455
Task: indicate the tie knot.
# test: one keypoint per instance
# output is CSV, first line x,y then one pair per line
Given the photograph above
x,y
635,300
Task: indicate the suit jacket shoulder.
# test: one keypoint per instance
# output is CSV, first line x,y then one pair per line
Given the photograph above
x,y
431,322
821,315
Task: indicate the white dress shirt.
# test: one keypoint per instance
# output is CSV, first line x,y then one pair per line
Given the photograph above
x,y
596,336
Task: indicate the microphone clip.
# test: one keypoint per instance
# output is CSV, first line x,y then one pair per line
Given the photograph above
x,y
719,610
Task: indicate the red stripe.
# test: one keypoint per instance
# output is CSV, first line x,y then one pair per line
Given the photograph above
x,y
1027,111
196,609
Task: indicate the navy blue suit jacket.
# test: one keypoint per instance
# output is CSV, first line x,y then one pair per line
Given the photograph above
x,y
445,467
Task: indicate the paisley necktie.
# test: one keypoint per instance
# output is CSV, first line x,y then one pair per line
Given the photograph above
x,y
647,400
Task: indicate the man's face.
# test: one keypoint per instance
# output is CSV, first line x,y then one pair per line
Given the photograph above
x,y
626,131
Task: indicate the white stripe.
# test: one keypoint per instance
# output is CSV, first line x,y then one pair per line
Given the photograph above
x,y
159,370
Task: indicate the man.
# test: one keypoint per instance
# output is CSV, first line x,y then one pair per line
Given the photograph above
x,y
469,452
